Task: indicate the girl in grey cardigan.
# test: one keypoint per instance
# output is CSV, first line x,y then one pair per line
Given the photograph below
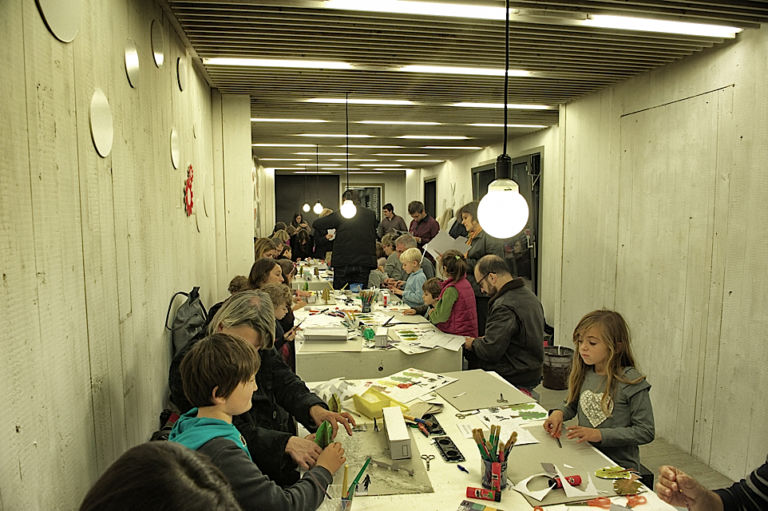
x,y
606,392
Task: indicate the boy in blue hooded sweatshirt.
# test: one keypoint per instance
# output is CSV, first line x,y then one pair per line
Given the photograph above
x,y
218,375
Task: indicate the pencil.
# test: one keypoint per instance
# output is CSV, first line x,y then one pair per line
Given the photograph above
x,y
346,476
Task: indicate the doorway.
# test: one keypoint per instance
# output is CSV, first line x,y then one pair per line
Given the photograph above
x,y
430,197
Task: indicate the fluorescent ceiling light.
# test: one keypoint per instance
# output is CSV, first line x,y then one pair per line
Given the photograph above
x,y
449,147
501,105
372,146
367,172
401,154
304,64
283,159
434,137
312,172
492,125
422,8
323,154
405,123
359,101
283,145
381,165
477,71
317,164
652,25
421,161
331,135
354,159
262,119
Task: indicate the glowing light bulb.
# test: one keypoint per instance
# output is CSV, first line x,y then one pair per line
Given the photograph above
x,y
348,209
318,208
305,207
503,212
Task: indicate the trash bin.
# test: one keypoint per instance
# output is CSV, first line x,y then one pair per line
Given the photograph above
x,y
557,367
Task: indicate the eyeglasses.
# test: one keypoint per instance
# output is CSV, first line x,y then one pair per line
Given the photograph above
x,y
484,277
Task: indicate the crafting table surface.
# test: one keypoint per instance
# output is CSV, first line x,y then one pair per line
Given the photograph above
x,y
450,483
325,360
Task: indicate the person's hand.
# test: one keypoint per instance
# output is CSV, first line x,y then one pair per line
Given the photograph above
x,y
397,291
290,335
389,281
468,342
418,239
302,293
554,424
304,452
677,488
400,284
329,237
320,414
409,312
332,457
299,304
582,434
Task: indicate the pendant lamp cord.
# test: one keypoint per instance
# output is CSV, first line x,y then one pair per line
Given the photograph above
x,y
506,75
317,165
346,115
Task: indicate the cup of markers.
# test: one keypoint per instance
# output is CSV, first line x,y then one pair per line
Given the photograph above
x,y
494,454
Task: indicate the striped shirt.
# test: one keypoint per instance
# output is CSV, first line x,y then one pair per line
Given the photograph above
x,y
748,494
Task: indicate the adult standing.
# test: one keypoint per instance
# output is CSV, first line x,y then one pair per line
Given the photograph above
x,y
514,330
423,227
354,249
391,222
323,239
480,244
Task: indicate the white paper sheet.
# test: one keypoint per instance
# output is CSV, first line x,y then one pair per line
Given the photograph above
x,y
443,241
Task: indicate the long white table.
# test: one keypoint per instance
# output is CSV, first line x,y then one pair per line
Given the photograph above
x,y
449,483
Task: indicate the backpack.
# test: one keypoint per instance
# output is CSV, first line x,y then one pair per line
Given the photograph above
x,y
189,320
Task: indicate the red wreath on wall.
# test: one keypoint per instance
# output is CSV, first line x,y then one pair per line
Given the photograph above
x,y
188,195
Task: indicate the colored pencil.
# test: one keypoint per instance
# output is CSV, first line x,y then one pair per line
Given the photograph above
x,y
344,484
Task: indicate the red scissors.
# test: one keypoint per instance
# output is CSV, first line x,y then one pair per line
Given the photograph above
x,y
603,502
635,500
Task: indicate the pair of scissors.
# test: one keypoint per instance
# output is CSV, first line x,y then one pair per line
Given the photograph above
x,y
427,458
467,414
602,502
635,500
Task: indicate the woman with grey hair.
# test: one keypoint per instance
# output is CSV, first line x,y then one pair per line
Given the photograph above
x,y
268,427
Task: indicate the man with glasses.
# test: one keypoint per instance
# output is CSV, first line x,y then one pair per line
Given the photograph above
x,y
514,330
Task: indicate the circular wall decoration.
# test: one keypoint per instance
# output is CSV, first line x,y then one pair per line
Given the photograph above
x,y
132,63
62,17
175,148
181,73
101,123
158,43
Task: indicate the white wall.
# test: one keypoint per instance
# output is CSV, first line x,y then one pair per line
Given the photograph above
x,y
666,220
92,247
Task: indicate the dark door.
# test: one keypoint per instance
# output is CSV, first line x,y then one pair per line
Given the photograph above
x,y
291,191
430,197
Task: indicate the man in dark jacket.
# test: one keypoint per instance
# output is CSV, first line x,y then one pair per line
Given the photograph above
x,y
514,331
268,427
354,250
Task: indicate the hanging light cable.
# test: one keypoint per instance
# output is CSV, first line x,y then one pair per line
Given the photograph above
x,y
305,208
318,207
503,212
348,208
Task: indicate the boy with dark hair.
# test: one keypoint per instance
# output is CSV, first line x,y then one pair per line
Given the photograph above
x,y
218,375
430,294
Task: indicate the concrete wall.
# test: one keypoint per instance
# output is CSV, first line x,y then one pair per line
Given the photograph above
x,y
666,220
93,248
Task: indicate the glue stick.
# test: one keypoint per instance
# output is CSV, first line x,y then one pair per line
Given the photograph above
x,y
482,493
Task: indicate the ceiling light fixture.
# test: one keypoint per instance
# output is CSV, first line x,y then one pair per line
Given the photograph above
x,y
503,212
381,165
325,154
401,154
302,64
316,164
354,159
464,147
494,125
282,145
422,8
372,146
468,104
318,208
476,71
331,135
664,26
264,119
363,101
404,123
348,208
435,137
421,161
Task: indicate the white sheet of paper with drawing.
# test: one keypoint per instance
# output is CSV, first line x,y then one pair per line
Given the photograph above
x,y
443,340
443,241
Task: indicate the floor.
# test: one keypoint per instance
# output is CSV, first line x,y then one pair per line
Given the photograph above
x,y
657,453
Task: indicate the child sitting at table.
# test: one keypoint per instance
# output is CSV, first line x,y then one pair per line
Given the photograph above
x,y
377,277
218,375
606,391
454,312
285,334
430,293
289,272
411,294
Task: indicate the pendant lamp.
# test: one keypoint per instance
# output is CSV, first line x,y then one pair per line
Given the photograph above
x,y
503,212
348,208
318,207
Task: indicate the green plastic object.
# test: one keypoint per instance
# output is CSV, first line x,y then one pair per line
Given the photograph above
x,y
369,334
323,435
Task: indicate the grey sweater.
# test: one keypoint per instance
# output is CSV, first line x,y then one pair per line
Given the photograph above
x,y
630,423
254,490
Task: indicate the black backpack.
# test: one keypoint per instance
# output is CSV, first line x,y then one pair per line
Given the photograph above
x,y
189,320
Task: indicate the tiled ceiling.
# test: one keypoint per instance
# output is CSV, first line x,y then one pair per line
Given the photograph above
x,y
565,60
